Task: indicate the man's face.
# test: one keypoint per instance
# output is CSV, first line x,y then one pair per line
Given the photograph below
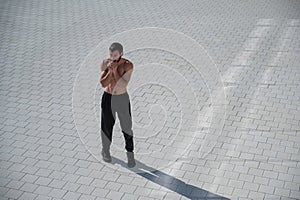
x,y
115,55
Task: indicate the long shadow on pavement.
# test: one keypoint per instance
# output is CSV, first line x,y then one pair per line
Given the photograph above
x,y
170,182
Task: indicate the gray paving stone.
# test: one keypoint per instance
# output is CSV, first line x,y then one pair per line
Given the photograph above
x,y
27,195
99,192
72,195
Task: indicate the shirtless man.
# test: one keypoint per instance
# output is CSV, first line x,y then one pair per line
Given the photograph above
x,y
115,75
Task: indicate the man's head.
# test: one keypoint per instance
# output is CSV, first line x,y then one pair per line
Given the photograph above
x,y
115,51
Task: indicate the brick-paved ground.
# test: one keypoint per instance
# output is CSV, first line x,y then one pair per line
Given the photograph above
x,y
256,47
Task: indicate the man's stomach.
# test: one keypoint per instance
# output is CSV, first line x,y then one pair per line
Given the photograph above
x,y
114,90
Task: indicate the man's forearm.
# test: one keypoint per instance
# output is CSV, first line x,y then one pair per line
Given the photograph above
x,y
105,79
120,81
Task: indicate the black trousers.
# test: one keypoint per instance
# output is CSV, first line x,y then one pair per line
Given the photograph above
x,y
110,105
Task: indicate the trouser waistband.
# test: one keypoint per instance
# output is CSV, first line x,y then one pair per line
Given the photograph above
x,y
109,94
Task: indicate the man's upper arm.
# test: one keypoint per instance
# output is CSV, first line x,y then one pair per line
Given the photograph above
x,y
128,71
102,67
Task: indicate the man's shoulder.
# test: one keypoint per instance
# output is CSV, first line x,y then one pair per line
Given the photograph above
x,y
128,64
104,63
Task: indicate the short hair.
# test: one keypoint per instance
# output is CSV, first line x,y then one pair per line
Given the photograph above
x,y
116,46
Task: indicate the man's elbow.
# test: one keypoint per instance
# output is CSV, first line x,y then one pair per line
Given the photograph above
x,y
122,82
103,83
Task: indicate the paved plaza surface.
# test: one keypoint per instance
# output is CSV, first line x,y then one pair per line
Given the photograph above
x,y
215,99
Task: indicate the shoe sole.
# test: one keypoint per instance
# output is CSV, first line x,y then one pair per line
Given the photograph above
x,y
108,161
130,166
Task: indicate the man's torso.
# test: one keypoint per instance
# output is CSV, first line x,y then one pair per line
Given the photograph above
x,y
114,88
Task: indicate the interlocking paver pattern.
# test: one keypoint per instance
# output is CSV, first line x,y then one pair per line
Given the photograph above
x,y
254,44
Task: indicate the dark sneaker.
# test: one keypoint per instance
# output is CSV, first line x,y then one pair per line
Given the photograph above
x,y
106,156
130,157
